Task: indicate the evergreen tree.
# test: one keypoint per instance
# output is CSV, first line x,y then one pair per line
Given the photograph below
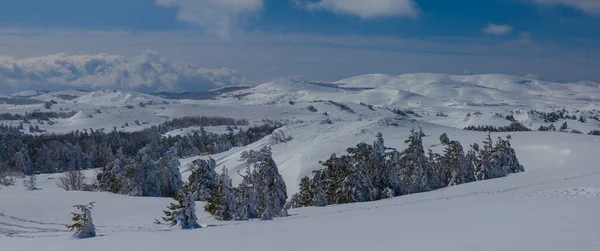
x,y
144,175
455,163
319,197
170,176
246,198
183,212
271,188
484,167
203,179
472,160
83,223
45,161
23,162
221,203
422,176
306,193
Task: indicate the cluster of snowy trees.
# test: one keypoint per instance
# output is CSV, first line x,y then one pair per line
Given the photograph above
x,y
124,157
37,115
262,194
374,172
513,127
555,116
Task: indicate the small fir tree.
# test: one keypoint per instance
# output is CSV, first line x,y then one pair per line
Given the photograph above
x,y
83,223
183,212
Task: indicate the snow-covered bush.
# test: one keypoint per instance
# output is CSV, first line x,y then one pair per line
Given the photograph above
x,y
278,136
312,108
30,183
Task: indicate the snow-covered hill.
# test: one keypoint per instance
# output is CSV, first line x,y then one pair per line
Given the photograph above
x,y
551,206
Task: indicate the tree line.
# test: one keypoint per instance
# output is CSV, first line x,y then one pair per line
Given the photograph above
x,y
373,172
135,153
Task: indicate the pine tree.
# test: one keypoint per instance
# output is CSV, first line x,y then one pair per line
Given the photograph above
x,y
144,175
170,176
564,126
183,212
306,193
472,160
221,203
400,174
456,165
246,198
483,170
272,191
203,178
422,176
319,197
83,223
23,162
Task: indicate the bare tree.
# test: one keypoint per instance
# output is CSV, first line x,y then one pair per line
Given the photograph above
x,y
31,183
72,180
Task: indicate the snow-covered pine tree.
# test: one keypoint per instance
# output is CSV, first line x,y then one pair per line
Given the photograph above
x,y
472,159
454,162
306,194
319,198
483,169
357,184
363,172
111,177
435,160
422,176
401,176
144,175
505,157
83,223
221,203
384,176
246,198
23,162
45,161
491,164
170,176
332,177
272,191
203,179
183,212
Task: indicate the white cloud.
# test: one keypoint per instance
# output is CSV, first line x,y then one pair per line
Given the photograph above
x,y
497,29
148,72
263,56
366,8
588,6
221,16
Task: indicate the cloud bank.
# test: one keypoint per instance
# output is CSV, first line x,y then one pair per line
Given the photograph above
x,y
148,72
497,29
366,9
221,16
587,6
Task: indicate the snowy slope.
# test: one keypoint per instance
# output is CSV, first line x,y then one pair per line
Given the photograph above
x,y
549,207
552,206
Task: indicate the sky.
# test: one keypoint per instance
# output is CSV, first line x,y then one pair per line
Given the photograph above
x,y
193,45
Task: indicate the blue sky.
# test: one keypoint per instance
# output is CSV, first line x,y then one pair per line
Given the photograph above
x,y
321,39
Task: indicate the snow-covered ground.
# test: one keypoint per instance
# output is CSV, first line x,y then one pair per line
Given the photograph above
x,y
553,205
